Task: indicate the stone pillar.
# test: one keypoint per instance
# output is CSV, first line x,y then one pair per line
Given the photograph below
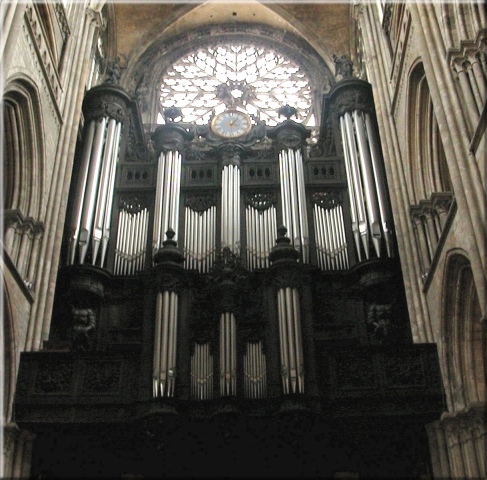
x,y
457,444
17,452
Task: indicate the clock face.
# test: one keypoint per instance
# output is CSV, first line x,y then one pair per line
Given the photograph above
x,y
231,124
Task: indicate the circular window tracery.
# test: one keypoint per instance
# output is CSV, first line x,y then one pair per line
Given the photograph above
x,y
257,79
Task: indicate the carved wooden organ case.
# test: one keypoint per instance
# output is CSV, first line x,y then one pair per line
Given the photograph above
x,y
230,268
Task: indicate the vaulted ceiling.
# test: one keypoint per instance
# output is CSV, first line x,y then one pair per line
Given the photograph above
x,y
326,27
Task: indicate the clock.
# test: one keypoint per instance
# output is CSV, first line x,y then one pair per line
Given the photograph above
x,y
231,124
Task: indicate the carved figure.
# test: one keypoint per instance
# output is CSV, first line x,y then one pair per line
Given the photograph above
x,y
379,317
113,71
343,67
84,324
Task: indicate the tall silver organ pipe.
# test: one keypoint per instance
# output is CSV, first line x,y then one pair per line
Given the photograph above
x,y
260,228
290,340
380,182
165,342
166,209
255,376
359,218
130,249
228,354
199,238
230,207
90,224
294,200
201,372
371,217
352,106
105,109
331,243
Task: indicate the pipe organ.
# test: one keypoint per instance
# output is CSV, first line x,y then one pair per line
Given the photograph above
x,y
219,201
225,291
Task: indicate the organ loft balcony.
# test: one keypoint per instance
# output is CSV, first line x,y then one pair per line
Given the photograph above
x,y
243,274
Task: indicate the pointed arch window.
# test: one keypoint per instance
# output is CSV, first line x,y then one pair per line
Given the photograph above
x,y
432,192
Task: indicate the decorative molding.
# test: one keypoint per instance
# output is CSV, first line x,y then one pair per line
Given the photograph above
x,y
200,203
401,59
260,200
326,200
43,63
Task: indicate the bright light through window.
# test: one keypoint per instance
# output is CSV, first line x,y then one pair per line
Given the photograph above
x,y
259,79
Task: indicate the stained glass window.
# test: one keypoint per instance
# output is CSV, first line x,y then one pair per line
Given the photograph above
x,y
257,79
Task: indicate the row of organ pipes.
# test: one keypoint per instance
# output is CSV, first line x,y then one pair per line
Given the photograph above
x,y
89,227
166,208
201,372
261,232
165,341
369,209
230,208
254,368
331,243
255,373
92,209
294,200
200,238
228,354
290,340
130,250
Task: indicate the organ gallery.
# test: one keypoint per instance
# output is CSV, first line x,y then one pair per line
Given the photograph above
x,y
244,240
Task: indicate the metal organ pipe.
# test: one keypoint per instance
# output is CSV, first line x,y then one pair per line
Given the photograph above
x,y
80,194
369,208
93,204
201,372
260,227
130,248
380,184
103,189
111,186
294,199
91,189
166,211
254,371
351,189
228,354
231,208
290,339
165,342
368,180
357,183
199,238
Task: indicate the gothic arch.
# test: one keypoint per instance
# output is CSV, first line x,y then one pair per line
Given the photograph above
x,y
23,148
150,60
428,170
465,341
